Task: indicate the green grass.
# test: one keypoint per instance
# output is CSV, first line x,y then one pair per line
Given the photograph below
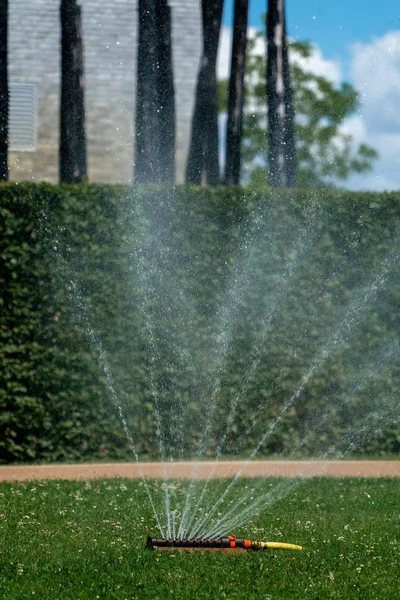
x,y
85,540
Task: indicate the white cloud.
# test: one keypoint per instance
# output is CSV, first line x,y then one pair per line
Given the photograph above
x,y
224,53
317,64
224,50
375,71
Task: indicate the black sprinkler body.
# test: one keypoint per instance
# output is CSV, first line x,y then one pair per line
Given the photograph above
x,y
229,541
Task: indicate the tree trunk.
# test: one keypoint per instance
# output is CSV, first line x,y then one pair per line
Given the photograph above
x,y
4,95
166,93
72,155
236,93
147,140
290,135
203,160
281,142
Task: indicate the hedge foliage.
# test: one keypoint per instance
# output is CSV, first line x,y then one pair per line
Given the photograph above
x,y
190,322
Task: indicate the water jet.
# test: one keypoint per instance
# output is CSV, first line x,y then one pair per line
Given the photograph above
x,y
243,328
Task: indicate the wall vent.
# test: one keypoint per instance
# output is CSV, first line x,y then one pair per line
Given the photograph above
x,y
22,123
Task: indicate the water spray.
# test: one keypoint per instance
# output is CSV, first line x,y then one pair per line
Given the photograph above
x,y
228,542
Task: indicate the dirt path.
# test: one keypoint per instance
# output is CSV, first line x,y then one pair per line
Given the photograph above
x,y
203,470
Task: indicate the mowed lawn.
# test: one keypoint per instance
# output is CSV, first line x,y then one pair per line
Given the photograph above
x,y
86,540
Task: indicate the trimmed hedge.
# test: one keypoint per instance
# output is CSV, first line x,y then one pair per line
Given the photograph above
x,y
211,319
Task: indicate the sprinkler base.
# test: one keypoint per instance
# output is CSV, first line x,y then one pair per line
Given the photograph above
x,y
228,543
199,550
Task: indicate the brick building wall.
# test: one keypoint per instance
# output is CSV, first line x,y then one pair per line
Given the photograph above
x,y
110,40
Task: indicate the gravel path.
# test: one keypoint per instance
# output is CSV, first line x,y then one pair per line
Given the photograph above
x,y
203,470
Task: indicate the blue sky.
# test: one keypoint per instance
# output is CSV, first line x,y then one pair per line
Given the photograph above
x,y
357,41
334,25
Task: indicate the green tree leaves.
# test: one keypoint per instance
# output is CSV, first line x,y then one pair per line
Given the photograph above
x,y
325,153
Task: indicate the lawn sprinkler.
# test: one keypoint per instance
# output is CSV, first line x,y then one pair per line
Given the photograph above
x,y
229,542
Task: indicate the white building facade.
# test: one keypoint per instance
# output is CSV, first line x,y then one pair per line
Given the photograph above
x,y
110,49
